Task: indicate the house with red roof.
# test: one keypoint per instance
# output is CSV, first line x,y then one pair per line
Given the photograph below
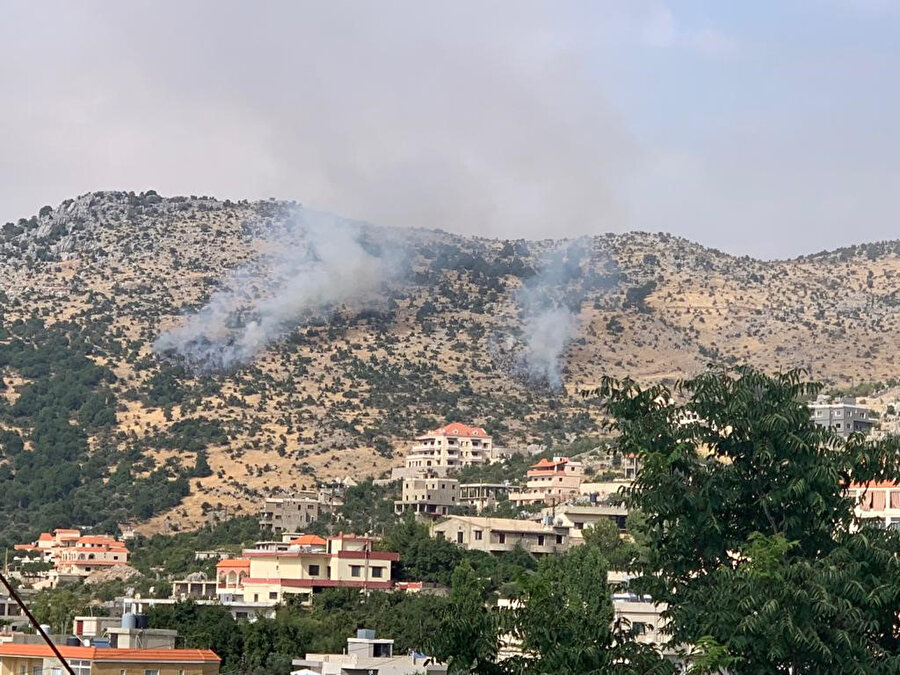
x,y
307,565
75,554
17,658
550,481
447,449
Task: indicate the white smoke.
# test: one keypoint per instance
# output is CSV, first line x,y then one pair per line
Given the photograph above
x,y
315,263
549,304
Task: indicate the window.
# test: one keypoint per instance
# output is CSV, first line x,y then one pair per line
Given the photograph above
x,y
501,537
477,535
377,572
459,537
355,570
559,539
151,672
540,540
273,595
313,570
80,666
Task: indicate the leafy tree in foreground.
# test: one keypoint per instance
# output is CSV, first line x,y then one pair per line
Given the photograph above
x,y
750,533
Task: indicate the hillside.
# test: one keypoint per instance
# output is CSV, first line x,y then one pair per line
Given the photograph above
x,y
90,409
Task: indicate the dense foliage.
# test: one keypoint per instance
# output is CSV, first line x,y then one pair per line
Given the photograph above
x,y
50,475
751,536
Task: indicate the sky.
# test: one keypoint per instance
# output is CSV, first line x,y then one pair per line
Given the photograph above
x,y
768,128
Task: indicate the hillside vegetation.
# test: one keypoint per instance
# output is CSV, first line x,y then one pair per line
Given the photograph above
x,y
96,428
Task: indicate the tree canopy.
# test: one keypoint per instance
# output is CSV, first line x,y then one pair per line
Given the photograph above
x,y
751,536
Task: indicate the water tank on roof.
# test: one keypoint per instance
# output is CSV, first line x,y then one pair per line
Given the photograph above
x,y
73,641
142,620
129,620
45,627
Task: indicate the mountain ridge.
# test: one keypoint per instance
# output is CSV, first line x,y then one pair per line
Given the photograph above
x,y
337,394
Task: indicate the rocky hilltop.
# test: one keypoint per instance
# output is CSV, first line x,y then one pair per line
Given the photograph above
x,y
90,408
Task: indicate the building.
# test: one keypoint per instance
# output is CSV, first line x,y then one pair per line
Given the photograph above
x,y
195,587
844,416
877,501
642,616
601,492
90,553
430,497
448,449
367,654
498,535
578,517
75,555
550,481
10,612
17,658
480,496
308,565
295,513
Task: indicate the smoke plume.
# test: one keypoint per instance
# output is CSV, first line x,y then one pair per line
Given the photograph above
x,y
313,264
549,304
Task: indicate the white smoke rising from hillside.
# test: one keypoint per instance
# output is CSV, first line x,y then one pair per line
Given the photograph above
x,y
317,263
549,303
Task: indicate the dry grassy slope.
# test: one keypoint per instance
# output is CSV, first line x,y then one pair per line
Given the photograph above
x,y
308,408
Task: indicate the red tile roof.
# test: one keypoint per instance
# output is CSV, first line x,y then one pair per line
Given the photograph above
x,y
308,540
548,463
459,429
115,655
233,562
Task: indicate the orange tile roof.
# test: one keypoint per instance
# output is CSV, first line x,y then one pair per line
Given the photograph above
x,y
99,539
115,655
45,536
547,463
875,484
459,429
233,562
308,540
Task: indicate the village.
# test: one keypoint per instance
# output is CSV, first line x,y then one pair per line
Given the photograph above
x,y
558,503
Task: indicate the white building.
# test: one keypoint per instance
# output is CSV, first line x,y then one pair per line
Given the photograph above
x,y
367,655
446,449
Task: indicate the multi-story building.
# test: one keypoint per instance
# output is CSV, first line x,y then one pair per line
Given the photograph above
x,y
844,416
447,449
480,496
431,497
879,501
17,658
90,553
498,535
578,517
47,545
195,587
308,565
295,513
76,555
367,654
10,612
550,481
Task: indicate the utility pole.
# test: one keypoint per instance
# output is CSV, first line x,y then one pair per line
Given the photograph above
x,y
34,622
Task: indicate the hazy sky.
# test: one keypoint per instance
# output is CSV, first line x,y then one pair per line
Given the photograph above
x,y
769,128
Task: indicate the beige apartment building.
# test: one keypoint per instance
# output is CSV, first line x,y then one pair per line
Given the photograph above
x,y
550,481
295,513
431,497
498,535
576,518
449,448
308,565
878,501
